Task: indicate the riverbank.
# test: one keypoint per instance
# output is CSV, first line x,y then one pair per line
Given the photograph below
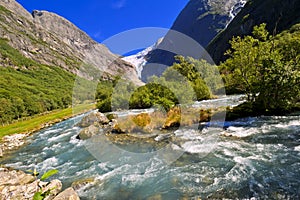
x,y
248,109
13,135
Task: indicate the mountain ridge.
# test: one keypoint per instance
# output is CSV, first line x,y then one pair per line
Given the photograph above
x,y
53,40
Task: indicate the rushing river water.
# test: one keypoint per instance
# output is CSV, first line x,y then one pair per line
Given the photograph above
x,y
261,159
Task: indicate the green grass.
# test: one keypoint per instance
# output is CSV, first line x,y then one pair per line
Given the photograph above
x,y
36,122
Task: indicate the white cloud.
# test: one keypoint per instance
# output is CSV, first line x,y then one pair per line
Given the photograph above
x,y
119,4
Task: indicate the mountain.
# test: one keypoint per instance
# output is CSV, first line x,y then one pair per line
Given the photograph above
x,y
50,39
200,20
139,59
42,55
279,15
203,19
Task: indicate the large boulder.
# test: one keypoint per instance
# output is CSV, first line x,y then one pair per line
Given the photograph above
x,y
89,132
67,194
95,118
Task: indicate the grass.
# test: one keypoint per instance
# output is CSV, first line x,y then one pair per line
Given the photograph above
x,y
37,122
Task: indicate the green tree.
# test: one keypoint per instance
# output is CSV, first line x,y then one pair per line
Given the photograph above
x,y
261,68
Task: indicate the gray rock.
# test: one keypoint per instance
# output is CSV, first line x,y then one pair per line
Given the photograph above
x,y
54,187
67,194
77,185
15,184
89,132
97,119
11,142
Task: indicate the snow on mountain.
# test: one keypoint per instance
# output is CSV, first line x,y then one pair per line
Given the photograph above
x,y
236,9
139,60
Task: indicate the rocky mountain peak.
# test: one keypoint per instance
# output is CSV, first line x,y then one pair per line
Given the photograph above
x,y
53,40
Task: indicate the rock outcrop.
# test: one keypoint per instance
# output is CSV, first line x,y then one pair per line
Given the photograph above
x,y
97,123
52,40
15,184
94,118
11,142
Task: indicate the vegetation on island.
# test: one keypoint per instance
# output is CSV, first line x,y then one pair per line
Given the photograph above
x,y
184,82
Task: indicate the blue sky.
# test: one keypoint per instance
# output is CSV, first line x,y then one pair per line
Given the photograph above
x,y
102,19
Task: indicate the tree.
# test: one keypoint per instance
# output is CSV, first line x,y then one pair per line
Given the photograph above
x,y
260,67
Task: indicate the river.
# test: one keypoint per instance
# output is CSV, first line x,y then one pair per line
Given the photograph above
x,y
260,160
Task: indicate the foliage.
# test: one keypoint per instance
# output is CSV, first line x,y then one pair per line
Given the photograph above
x,y
266,68
48,174
181,83
113,94
153,94
142,119
188,69
28,88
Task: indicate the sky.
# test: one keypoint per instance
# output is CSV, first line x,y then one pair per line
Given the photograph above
x,y
102,19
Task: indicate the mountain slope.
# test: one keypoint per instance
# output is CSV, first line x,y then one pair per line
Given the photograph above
x,y
139,59
41,57
52,40
201,20
279,15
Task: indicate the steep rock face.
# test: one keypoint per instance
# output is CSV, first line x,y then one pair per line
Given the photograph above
x,y
52,40
277,14
200,20
203,19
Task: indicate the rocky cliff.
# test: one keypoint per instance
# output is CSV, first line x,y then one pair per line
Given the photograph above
x,y
279,15
52,40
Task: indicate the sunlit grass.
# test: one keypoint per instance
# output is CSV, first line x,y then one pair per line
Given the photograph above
x,y
37,122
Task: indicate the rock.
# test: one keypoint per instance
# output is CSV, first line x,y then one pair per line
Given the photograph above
x,y
111,116
67,194
54,187
97,119
26,179
82,183
16,184
115,127
155,197
89,132
1,152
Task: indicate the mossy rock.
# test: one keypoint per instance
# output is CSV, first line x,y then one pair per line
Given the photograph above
x,y
111,116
